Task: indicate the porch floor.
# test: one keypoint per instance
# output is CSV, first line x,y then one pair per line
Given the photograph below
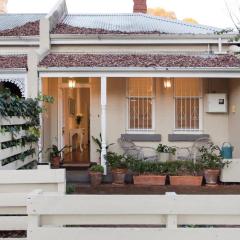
x,y
227,189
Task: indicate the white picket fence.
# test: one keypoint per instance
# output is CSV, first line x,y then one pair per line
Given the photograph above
x,y
135,217
12,151
15,185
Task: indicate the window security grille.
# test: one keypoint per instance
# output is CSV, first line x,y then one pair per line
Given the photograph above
x,y
188,104
140,100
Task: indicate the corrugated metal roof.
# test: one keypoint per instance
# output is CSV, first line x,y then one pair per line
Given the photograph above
x,y
9,21
136,22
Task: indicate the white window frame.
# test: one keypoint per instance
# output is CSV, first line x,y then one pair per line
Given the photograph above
x,y
141,131
190,131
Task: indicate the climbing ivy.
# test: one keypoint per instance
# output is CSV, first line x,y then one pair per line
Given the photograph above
x,y
29,109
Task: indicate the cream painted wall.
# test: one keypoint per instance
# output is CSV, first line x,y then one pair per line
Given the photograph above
x,y
134,48
17,49
234,115
50,121
217,125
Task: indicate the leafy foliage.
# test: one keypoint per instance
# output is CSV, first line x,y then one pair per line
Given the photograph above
x,y
143,167
115,160
165,149
70,189
55,152
29,109
20,156
211,157
184,168
98,142
96,168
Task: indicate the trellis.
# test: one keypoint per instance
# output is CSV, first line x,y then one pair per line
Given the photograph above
x,y
15,157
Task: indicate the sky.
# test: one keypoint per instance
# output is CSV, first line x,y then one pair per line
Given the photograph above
x,y
207,12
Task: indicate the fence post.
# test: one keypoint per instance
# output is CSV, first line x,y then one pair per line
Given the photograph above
x,y
171,219
33,218
62,185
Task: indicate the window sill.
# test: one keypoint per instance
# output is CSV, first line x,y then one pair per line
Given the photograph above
x,y
141,137
185,137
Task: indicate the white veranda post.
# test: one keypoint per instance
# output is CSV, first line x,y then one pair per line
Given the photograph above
x,y
104,121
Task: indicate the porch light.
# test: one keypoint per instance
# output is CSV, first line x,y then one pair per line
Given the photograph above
x,y
71,83
167,83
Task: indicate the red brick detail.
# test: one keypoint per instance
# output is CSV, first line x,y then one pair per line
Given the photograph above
x,y
140,6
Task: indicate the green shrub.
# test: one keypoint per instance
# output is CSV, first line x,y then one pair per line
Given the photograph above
x,y
115,160
96,168
166,149
70,189
183,168
211,157
143,167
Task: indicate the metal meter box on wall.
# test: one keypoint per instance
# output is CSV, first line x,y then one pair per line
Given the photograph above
x,y
216,103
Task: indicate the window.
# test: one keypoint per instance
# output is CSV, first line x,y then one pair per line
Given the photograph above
x,y
140,101
188,104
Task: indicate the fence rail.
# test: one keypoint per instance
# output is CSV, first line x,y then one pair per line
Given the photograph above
x,y
15,187
12,151
133,217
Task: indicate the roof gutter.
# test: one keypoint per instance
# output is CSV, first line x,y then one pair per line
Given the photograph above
x,y
19,41
145,39
140,72
13,70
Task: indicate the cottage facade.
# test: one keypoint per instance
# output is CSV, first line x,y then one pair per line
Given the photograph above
x,y
143,77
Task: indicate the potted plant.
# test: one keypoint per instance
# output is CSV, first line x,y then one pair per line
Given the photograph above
x,y
212,162
55,155
148,173
98,142
185,173
118,165
165,152
96,173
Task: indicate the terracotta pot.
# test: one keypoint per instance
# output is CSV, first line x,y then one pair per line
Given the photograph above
x,y
95,178
211,176
56,162
186,180
119,176
149,180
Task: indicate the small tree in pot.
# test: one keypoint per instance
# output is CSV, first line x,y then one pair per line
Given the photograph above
x,y
118,165
96,173
211,160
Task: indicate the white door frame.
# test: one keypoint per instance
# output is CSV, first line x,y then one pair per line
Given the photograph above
x,y
62,86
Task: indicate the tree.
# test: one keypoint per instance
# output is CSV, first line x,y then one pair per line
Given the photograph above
x,y
162,12
234,15
190,20
3,6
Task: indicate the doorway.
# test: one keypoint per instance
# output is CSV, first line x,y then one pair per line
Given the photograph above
x,y
76,126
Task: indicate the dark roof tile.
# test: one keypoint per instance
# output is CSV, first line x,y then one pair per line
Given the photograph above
x,y
13,61
137,60
28,29
63,28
